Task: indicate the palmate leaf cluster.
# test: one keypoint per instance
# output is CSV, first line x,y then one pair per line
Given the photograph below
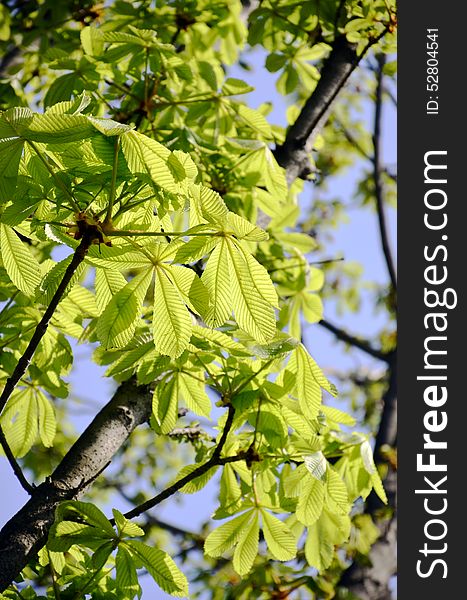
x,y
196,283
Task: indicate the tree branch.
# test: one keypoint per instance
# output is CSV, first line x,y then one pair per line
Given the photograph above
x,y
377,171
214,461
345,337
27,487
23,362
300,137
23,536
293,154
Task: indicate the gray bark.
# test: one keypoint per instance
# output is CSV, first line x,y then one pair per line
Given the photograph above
x,y
23,536
293,155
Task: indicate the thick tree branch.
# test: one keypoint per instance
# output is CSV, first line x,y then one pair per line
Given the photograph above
x,y
340,64
23,536
293,154
377,174
345,337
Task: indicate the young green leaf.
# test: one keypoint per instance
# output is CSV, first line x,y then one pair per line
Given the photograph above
x,y
311,501
117,323
107,284
253,313
145,156
51,281
172,323
165,406
247,547
337,492
20,264
227,535
323,536
193,391
279,538
125,527
216,278
85,511
198,483
308,388
161,568
126,575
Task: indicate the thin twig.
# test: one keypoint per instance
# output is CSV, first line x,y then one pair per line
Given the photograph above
x,y
350,138
27,487
343,336
377,170
59,183
214,461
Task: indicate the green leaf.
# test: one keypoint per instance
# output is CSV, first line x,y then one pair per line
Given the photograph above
x,y
247,547
165,406
280,540
329,531
92,40
378,487
172,323
117,323
191,289
220,341
195,249
227,535
52,280
46,419
145,156
300,241
337,416
293,481
85,511
244,230
10,155
80,302
161,567
5,21
367,457
126,527
253,313
311,501
234,87
255,120
182,165
210,204
308,388
280,346
54,128
197,484
19,421
194,393
20,264
316,464
216,278
126,576
107,284
337,491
